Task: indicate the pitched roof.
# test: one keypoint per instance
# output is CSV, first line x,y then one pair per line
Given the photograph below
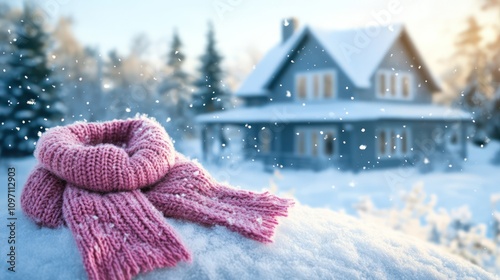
x,y
359,66
341,110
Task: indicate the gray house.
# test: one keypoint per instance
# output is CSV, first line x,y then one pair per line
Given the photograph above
x,y
350,99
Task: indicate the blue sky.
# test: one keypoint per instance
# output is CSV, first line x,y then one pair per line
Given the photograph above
x,y
244,25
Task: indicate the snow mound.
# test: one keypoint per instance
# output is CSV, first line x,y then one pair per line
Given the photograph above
x,y
311,243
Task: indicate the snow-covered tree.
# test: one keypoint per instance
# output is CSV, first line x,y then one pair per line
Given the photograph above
x,y
79,69
477,90
175,89
494,70
32,93
6,26
211,94
470,49
131,82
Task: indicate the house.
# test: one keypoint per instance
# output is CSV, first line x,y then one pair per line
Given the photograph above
x,y
351,99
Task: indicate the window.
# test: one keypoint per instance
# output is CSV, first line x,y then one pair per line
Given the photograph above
x,y
404,144
328,85
265,136
392,85
329,145
301,143
406,86
393,142
315,142
381,83
316,85
382,142
301,87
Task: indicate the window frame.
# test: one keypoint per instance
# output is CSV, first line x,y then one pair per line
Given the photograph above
x,y
394,80
307,134
313,79
389,151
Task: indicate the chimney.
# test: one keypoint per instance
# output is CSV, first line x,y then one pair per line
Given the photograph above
x,y
288,26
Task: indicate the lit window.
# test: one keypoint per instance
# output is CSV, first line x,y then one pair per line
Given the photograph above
x,y
381,141
315,142
315,86
302,87
382,86
328,85
406,86
393,85
393,142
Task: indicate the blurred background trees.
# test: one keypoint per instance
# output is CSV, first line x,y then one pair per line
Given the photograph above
x,y
212,94
29,90
476,78
48,77
69,81
175,88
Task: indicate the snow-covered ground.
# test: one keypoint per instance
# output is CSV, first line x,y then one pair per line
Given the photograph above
x,y
472,186
311,243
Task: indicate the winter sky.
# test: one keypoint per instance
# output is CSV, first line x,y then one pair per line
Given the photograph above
x,y
244,26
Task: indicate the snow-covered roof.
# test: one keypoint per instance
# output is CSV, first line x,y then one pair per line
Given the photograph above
x,y
347,110
358,66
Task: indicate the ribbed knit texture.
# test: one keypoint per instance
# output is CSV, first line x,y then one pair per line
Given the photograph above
x,y
110,183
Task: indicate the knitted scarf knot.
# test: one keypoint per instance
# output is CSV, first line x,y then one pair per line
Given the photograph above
x,y
111,182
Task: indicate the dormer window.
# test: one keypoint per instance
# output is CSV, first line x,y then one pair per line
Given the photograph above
x,y
315,85
393,85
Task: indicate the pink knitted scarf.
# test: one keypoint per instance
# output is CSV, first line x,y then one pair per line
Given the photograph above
x,y
110,183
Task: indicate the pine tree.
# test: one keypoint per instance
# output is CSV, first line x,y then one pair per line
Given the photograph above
x,y
78,68
175,86
32,102
175,56
5,50
175,89
211,93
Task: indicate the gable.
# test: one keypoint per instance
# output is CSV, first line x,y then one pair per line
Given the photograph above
x,y
309,59
265,70
402,60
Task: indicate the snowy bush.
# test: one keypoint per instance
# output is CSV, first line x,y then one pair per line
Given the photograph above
x,y
454,230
